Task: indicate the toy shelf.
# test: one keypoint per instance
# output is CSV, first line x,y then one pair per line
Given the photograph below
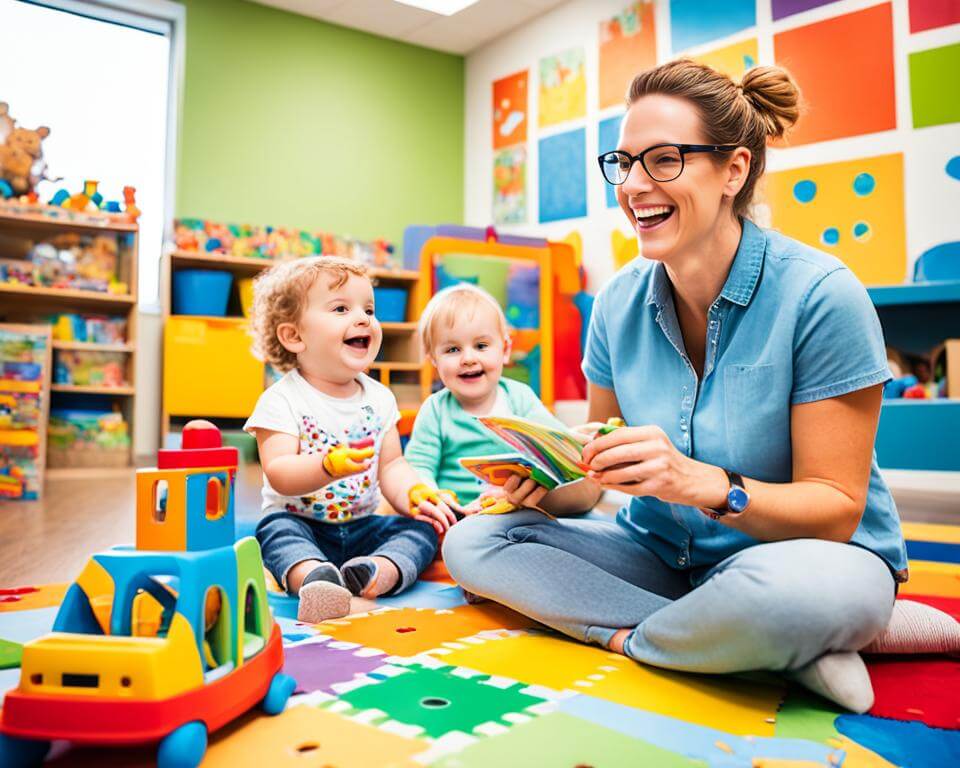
x,y
919,435
400,369
30,304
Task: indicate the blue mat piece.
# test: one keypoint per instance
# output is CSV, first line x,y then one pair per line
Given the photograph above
x,y
426,594
697,742
23,626
283,606
910,744
937,551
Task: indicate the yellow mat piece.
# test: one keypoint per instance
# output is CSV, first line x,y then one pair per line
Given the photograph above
x,y
46,596
725,703
410,631
309,737
946,534
929,578
860,757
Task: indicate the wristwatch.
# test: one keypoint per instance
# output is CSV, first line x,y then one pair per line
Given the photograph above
x,y
737,497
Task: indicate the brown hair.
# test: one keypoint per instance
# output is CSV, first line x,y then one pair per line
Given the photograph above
x,y
280,296
764,105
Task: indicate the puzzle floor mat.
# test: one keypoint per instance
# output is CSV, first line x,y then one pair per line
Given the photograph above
x,y
424,679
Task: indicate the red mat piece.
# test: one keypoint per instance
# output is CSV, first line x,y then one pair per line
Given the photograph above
x,y
923,688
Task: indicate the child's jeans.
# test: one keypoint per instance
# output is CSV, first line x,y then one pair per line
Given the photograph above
x,y
286,540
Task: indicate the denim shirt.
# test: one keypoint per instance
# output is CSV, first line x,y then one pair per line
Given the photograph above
x,y
791,325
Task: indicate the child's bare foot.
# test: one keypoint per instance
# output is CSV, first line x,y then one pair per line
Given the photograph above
x,y
618,640
322,600
370,576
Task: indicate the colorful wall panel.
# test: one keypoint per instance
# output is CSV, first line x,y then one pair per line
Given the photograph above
x,y
852,209
563,87
510,185
733,59
510,110
695,22
844,66
562,177
935,86
628,45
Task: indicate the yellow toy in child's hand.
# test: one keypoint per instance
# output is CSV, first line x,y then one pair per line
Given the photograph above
x,y
423,492
342,460
492,505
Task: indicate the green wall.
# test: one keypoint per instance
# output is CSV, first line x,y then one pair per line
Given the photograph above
x,y
289,121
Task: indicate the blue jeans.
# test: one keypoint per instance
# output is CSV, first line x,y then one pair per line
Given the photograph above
x,y
773,606
286,540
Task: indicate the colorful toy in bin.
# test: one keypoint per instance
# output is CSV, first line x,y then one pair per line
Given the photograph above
x,y
163,643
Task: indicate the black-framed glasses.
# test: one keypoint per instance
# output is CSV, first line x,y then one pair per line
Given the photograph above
x,y
662,162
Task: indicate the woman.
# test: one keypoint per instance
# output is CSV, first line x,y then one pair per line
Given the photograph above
x,y
760,534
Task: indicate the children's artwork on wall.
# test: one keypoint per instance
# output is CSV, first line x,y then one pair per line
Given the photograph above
x,y
732,60
562,176
783,8
608,136
694,22
510,186
844,67
510,110
852,209
24,400
563,87
628,45
935,86
930,14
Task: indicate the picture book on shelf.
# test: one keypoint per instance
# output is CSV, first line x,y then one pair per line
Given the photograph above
x,y
550,456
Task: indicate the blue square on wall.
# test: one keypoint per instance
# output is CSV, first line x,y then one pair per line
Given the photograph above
x,y
608,135
563,176
694,22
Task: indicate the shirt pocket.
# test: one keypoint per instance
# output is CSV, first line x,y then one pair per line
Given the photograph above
x,y
757,420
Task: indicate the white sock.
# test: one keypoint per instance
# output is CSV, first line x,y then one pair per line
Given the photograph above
x,y
840,677
917,628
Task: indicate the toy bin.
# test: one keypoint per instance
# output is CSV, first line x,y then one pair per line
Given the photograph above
x,y
391,304
201,292
245,289
87,438
209,369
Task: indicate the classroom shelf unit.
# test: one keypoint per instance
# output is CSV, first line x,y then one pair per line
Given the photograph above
x,y
202,353
21,303
919,434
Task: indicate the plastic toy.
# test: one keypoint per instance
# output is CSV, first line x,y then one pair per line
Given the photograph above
x,y
130,204
422,492
162,643
614,422
343,460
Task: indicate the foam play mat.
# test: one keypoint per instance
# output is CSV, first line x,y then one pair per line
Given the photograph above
x,y
424,679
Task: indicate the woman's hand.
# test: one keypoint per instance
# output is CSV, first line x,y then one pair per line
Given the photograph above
x,y
523,492
641,461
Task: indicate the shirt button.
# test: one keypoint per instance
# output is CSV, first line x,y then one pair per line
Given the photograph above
x,y
713,323
682,560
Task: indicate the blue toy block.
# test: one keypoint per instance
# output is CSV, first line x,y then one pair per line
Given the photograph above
x,y
5,189
202,532
60,197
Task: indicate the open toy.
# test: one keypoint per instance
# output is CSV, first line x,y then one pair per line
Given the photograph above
x,y
164,642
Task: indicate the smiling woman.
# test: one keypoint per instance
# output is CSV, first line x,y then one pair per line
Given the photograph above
x,y
748,369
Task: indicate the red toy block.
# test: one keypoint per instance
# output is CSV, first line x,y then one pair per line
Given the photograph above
x,y
197,458
200,433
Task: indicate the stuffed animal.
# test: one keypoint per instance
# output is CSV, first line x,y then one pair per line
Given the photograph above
x,y
21,154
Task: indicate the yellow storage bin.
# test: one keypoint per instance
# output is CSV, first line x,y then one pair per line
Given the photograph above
x,y
208,368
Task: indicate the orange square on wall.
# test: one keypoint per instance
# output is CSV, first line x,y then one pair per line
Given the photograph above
x,y
510,110
844,67
628,46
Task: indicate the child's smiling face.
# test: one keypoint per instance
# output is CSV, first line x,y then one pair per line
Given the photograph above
x,y
470,356
338,335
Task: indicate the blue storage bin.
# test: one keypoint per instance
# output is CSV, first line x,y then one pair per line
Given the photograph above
x,y
201,292
390,303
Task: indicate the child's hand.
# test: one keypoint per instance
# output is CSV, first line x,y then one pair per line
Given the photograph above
x,y
431,506
343,461
524,493
490,492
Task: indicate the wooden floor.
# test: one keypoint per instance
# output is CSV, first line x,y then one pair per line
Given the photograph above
x,y
49,541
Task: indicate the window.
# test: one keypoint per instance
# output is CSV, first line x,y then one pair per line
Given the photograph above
x,y
103,76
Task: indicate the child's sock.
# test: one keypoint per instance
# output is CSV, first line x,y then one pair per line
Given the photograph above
x,y
370,576
840,677
917,628
323,572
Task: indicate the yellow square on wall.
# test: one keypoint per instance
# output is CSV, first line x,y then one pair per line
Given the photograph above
x,y
852,209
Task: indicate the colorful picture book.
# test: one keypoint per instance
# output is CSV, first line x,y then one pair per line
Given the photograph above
x,y
550,456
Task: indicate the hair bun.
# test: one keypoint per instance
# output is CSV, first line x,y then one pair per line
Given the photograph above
x,y
774,96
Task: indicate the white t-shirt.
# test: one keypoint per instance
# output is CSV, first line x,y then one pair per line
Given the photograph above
x,y
294,407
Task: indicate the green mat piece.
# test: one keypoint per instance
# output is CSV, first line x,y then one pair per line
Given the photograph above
x,y
440,702
10,654
806,716
561,741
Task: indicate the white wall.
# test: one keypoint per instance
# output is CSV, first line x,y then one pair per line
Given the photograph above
x,y
930,196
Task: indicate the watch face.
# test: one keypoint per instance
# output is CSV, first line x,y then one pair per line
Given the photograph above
x,y
737,499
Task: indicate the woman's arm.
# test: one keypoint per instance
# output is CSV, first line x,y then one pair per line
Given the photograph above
x,y
832,443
